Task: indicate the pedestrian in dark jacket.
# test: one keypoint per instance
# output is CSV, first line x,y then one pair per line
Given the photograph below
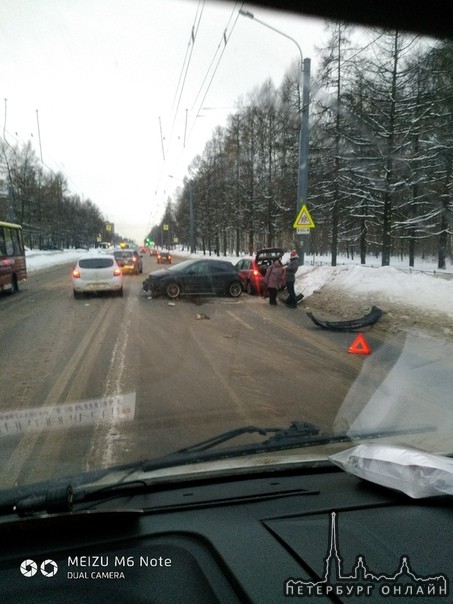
x,y
275,280
291,270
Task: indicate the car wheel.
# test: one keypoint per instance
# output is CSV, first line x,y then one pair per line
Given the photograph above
x,y
120,293
235,289
77,295
173,290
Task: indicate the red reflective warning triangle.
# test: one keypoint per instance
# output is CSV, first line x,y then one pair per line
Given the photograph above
x,y
359,346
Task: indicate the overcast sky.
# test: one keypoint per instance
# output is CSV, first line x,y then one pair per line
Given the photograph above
x,y
118,111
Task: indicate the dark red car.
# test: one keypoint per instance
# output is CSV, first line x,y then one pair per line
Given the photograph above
x,y
253,269
164,257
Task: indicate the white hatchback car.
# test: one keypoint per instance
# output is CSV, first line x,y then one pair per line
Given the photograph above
x,y
97,272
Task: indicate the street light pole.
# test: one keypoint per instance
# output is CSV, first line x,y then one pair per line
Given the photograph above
x,y
304,149
304,133
191,217
191,229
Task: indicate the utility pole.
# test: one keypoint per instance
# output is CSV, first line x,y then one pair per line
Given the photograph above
x,y
304,149
304,134
191,225
191,214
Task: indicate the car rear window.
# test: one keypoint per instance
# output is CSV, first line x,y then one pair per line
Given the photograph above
x,y
96,262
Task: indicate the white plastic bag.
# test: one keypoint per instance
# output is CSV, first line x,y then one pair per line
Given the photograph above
x,y
411,471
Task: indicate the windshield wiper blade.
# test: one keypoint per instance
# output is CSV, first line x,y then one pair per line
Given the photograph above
x,y
297,428
296,435
290,437
59,496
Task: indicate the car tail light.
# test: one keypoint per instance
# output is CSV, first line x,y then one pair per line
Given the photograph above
x,y
256,272
117,272
76,273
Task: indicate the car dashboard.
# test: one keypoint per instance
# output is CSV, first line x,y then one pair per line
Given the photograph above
x,y
319,534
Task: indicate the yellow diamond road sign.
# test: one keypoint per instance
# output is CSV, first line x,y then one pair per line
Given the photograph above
x,y
304,220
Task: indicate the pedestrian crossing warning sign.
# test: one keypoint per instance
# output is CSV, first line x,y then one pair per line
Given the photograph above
x,y
304,220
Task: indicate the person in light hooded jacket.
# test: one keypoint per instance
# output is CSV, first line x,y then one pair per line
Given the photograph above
x,y
275,280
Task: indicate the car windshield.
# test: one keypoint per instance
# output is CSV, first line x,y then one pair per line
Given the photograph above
x,y
214,132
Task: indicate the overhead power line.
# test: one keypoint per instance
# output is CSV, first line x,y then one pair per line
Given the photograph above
x,y
185,66
218,53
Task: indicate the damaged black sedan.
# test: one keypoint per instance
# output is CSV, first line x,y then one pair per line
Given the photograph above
x,y
203,276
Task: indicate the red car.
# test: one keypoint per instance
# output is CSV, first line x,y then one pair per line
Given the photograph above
x,y
253,269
